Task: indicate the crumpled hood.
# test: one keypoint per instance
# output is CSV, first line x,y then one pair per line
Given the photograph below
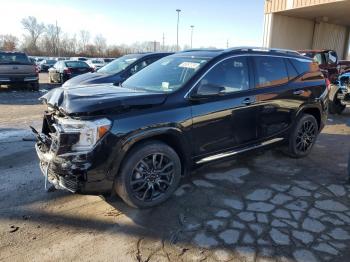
x,y
91,99
93,78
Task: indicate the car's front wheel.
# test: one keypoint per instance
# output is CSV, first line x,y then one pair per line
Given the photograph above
x,y
149,175
303,136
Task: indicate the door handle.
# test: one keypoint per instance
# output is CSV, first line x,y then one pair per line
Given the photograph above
x,y
298,92
247,101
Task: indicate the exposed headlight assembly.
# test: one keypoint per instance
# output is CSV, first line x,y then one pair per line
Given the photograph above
x,y
89,131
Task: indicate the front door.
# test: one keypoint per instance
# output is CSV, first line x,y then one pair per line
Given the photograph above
x,y
225,119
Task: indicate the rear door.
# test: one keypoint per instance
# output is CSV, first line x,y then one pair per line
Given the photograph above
x,y
275,98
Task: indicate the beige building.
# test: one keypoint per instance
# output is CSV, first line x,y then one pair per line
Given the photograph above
x,y
307,24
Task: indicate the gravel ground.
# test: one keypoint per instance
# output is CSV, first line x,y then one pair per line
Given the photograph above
x,y
262,206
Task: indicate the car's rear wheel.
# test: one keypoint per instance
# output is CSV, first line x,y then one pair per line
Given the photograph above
x,y
35,86
61,79
149,175
303,136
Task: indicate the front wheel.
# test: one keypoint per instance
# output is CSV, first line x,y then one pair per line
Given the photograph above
x,y
303,136
149,175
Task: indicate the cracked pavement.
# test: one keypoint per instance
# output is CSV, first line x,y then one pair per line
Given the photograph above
x,y
261,206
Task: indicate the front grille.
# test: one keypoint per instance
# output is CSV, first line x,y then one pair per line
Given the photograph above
x,y
70,183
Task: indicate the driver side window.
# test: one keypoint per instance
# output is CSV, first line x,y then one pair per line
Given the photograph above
x,y
229,76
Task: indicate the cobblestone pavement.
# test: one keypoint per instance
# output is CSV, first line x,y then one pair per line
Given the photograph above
x,y
262,206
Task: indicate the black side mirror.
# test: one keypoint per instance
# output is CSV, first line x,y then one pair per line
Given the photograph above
x,y
332,58
207,90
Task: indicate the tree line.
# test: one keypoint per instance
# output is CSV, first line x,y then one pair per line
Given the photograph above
x,y
50,40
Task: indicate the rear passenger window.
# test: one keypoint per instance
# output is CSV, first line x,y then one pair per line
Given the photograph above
x,y
270,71
292,72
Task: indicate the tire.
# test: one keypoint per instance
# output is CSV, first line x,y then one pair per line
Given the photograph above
x,y
137,183
303,136
35,86
334,105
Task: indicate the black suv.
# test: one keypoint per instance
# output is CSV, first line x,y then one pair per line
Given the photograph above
x,y
118,70
182,111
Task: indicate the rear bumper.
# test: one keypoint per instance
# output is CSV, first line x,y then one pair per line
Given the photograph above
x,y
5,79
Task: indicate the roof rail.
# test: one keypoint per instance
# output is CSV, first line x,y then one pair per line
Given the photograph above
x,y
262,49
201,49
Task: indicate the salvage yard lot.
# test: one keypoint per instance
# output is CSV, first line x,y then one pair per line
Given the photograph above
x,y
258,206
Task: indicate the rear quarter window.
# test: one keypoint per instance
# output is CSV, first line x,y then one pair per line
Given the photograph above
x,y
270,71
309,69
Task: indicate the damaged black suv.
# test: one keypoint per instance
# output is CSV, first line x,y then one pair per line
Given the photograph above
x,y
182,111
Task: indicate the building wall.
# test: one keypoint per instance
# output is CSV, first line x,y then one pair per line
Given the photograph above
x,y
331,36
287,32
281,31
272,6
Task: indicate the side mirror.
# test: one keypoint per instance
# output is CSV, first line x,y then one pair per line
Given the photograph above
x,y
207,90
332,58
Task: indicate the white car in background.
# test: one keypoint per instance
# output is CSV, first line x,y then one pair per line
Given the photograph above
x,y
96,64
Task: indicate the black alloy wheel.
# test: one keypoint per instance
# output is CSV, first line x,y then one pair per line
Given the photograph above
x,y
152,177
150,173
303,136
306,136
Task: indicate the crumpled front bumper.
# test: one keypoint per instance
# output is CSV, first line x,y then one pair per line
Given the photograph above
x,y
66,171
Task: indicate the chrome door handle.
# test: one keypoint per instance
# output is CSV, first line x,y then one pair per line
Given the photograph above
x,y
298,92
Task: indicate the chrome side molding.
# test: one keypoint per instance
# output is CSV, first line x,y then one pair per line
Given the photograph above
x,y
236,152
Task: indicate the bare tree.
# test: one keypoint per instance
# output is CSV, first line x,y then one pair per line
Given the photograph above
x,y
52,39
100,44
8,42
84,40
35,29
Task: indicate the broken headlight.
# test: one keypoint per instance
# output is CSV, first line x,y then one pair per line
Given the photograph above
x,y
89,131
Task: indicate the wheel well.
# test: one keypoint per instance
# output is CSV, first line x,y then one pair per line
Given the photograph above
x,y
170,140
315,113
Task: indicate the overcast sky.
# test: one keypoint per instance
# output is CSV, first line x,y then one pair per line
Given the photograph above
x,y
215,21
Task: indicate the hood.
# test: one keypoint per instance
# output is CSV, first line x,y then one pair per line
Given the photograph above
x,y
99,99
92,78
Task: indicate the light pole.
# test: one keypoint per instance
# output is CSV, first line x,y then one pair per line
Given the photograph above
x,y
192,26
177,31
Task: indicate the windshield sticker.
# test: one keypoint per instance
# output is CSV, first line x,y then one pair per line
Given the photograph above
x,y
190,65
165,85
130,60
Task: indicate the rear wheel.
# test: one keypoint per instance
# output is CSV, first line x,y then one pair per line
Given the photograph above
x,y
61,79
150,174
35,86
303,136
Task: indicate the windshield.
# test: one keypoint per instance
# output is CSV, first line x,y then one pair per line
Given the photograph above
x,y
13,58
50,62
118,65
96,62
166,75
76,64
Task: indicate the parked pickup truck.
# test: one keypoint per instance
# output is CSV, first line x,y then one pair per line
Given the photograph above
x,y
17,69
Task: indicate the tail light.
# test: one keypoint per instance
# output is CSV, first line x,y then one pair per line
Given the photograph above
x,y
67,70
328,84
36,68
